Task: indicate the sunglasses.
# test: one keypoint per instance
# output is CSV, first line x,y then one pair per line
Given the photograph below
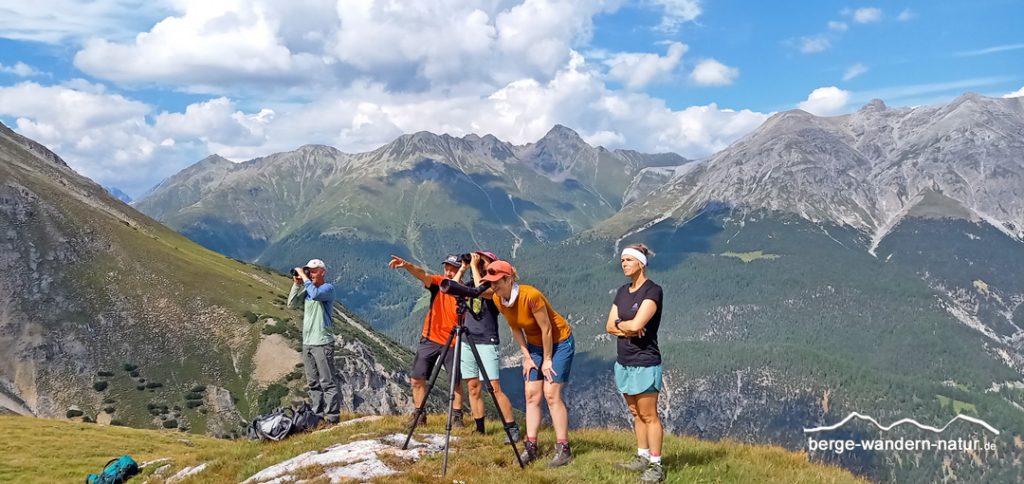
x,y
492,272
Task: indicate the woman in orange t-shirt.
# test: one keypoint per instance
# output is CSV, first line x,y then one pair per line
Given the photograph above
x,y
547,345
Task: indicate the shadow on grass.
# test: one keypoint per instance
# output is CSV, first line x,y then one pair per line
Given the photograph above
x,y
680,460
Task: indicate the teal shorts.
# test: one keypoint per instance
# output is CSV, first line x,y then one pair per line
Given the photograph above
x,y
637,380
488,355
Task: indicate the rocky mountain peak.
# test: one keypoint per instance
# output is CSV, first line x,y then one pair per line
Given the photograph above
x,y
875,105
562,133
213,160
557,151
309,149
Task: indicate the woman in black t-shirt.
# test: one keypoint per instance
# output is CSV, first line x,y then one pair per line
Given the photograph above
x,y
635,317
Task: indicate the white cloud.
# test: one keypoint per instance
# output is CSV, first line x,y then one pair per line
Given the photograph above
x,y
867,15
367,115
677,12
905,15
713,73
1017,93
837,26
813,44
216,121
56,21
305,46
79,84
211,44
20,69
989,50
69,109
854,71
635,70
605,138
826,101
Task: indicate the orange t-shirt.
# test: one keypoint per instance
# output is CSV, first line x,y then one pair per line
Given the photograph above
x,y
441,316
520,316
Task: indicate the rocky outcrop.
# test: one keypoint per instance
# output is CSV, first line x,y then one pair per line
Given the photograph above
x,y
366,385
222,417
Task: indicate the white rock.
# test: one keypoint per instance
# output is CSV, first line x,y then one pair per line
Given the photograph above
x,y
187,472
358,459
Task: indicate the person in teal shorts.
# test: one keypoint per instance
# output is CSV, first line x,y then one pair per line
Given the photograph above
x,y
634,318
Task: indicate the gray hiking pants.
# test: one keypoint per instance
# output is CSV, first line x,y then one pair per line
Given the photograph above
x,y
318,362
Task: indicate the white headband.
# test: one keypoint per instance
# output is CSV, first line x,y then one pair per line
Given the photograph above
x,y
636,254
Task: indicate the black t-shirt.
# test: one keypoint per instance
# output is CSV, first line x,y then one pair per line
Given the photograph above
x,y
639,351
482,320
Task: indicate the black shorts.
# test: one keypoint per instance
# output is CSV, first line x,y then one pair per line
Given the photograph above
x,y
426,357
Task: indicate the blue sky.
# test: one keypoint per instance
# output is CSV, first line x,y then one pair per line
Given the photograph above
x,y
129,92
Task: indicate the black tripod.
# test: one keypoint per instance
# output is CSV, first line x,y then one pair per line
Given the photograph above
x,y
457,333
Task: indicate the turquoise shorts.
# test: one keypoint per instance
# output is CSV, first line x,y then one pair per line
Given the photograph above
x,y
489,357
637,380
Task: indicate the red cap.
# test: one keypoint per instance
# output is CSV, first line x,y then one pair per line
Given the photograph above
x,y
498,269
489,255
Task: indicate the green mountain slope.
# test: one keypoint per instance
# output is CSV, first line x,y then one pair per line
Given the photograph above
x,y
108,315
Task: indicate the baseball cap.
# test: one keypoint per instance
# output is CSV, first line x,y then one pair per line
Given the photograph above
x,y
314,263
453,260
487,254
498,269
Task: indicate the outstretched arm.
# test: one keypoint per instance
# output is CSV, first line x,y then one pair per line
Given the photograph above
x,y
416,271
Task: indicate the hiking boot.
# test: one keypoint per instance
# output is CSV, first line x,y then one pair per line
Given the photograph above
x,y
654,474
457,419
412,419
513,430
562,456
636,464
529,453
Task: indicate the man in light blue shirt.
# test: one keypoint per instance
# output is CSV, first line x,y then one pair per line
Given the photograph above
x,y
316,297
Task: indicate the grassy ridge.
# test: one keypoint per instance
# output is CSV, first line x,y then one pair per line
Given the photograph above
x,y
40,450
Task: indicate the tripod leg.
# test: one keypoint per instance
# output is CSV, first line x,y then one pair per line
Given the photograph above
x,y
455,370
490,389
422,408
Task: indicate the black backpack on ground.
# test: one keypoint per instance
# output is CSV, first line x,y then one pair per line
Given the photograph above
x,y
283,422
275,425
304,419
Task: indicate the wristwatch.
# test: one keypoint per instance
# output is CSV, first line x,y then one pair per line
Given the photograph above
x,y
617,321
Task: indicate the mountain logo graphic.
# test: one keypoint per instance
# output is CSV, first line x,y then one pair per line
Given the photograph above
x,y
853,415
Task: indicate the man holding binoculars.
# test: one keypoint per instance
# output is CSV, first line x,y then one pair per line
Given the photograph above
x,y
315,297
